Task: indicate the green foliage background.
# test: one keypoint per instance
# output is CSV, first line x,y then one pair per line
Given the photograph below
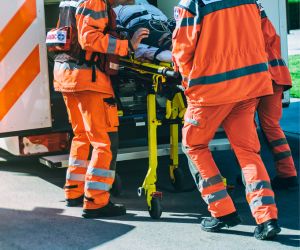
x,y
294,66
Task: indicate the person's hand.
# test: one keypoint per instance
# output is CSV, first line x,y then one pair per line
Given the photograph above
x,y
138,36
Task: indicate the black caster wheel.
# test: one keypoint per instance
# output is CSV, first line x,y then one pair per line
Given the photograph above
x,y
116,189
178,181
155,211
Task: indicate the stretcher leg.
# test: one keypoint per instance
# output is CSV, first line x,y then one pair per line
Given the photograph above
x,y
175,172
177,111
149,186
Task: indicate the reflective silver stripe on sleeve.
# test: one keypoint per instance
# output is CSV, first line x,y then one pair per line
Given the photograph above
x,y
112,44
210,181
215,196
69,66
101,172
261,201
78,163
91,13
74,4
192,121
93,185
257,186
75,177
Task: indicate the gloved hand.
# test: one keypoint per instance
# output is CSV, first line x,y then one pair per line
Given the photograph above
x,y
137,37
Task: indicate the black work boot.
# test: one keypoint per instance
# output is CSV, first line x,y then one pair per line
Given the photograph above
x,y
109,210
212,224
280,183
267,230
74,202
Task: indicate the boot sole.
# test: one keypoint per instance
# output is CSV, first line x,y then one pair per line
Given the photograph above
x,y
220,226
213,229
269,235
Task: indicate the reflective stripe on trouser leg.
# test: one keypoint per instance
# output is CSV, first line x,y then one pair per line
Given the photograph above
x,y
246,146
200,126
212,189
100,119
259,194
75,176
99,177
269,113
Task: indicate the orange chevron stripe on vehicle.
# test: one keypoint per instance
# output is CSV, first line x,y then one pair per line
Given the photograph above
x,y
19,82
15,28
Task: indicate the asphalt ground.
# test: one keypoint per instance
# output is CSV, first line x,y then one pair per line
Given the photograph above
x,y
33,214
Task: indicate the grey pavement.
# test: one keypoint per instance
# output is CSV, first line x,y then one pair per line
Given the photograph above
x,y
33,213
294,42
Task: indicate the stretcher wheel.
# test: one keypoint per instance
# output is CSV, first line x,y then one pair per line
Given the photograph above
x,y
116,189
155,211
178,181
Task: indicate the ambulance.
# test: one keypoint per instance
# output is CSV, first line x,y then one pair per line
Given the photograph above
x,y
33,118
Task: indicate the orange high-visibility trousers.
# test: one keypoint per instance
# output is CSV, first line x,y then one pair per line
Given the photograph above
x,y
94,120
237,119
269,112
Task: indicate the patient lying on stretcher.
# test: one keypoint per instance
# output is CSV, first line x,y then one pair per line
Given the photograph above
x,y
139,13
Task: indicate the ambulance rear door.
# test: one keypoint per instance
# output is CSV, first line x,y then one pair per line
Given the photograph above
x,y
24,83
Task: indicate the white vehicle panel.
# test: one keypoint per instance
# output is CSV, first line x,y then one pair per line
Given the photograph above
x,y
32,109
10,144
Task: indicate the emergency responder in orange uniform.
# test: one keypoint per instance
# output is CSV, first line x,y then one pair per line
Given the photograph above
x,y
270,109
219,49
89,98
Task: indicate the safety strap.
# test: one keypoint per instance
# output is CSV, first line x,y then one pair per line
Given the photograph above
x,y
155,60
164,46
95,60
133,16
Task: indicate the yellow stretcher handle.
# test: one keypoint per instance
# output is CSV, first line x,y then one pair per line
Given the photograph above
x,y
168,109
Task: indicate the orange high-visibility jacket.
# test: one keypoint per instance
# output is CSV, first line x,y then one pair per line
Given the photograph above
x,y
218,47
277,66
91,19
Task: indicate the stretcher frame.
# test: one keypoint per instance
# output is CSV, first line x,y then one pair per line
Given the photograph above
x,y
175,109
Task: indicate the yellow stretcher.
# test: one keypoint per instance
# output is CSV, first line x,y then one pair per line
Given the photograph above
x,y
175,109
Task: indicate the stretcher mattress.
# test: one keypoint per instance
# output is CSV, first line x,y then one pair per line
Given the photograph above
x,y
146,52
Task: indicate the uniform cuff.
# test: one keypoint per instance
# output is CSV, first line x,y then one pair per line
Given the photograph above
x,y
122,49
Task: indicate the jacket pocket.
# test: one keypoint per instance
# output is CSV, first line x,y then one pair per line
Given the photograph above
x,y
193,118
193,131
